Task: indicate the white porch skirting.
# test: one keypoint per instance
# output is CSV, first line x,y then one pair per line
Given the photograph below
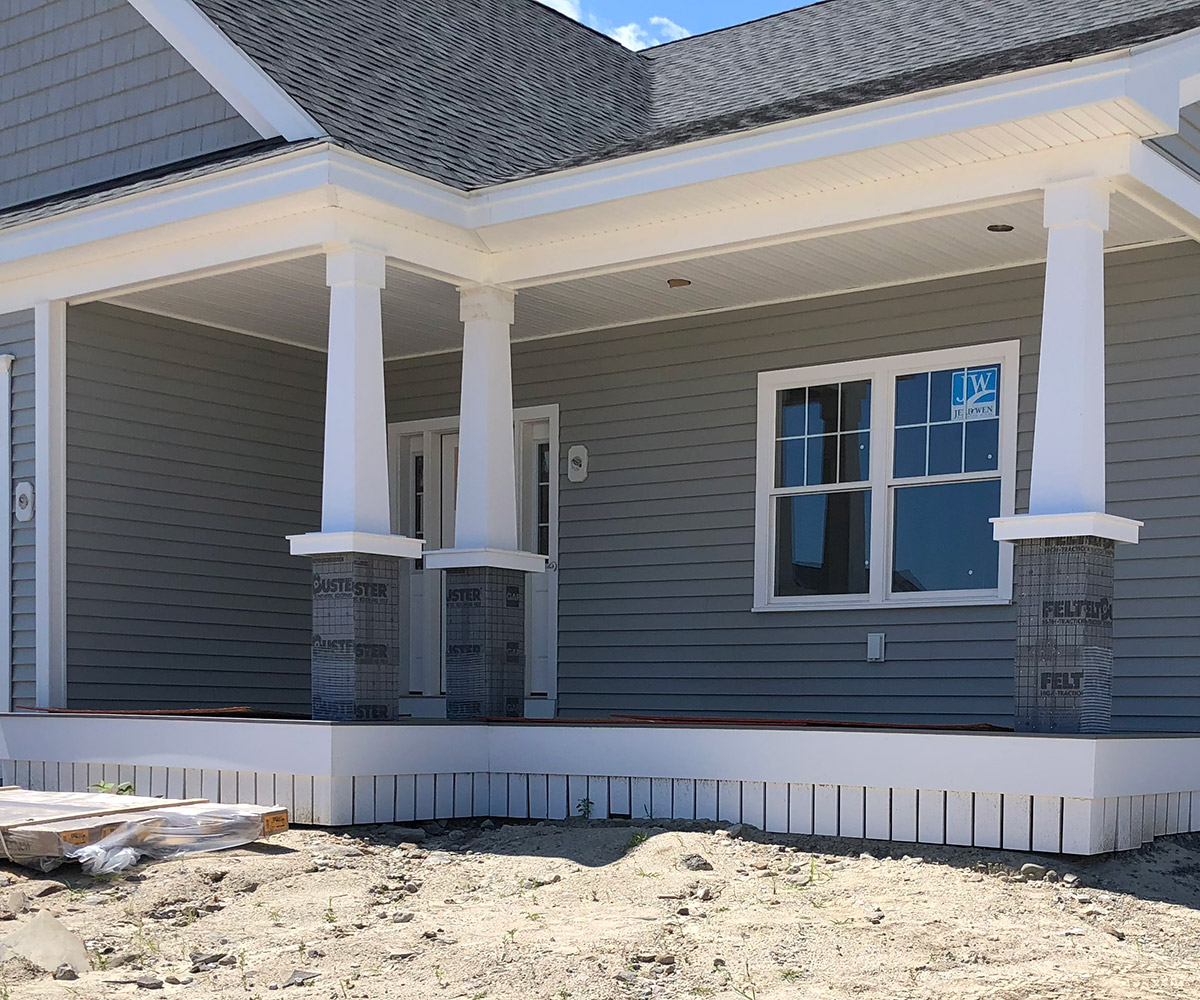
x,y
1056,794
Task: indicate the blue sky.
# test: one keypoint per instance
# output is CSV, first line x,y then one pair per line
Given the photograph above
x,y
638,23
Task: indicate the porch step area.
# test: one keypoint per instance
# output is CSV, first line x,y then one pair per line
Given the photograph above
x,y
1043,823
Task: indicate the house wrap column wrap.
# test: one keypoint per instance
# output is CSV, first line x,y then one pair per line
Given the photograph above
x,y
1063,590
485,643
356,638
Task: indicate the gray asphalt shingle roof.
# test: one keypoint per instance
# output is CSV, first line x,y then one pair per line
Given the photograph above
x,y
476,92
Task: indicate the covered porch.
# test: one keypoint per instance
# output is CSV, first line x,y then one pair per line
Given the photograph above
x,y
320,438
633,471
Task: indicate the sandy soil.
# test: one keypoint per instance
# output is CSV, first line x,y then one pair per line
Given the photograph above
x,y
562,911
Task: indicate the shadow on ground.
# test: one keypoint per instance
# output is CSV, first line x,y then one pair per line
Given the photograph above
x,y
1167,870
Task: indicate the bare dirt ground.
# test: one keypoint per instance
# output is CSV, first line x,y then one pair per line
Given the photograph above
x,y
568,911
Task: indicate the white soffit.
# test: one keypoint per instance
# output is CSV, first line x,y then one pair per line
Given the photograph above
x,y
805,176
288,300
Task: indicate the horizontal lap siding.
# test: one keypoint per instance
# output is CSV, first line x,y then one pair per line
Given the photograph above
x,y
16,338
92,93
657,566
191,454
1154,476
656,548
656,554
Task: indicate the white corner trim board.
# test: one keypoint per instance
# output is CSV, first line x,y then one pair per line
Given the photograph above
x,y
50,513
1075,795
6,500
232,73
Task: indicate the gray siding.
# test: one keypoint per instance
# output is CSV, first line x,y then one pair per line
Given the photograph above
x,y
1154,476
191,453
656,549
1184,146
16,338
91,92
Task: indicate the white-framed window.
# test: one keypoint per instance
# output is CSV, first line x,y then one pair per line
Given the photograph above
x,y
877,481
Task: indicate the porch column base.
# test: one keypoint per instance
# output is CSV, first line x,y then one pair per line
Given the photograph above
x,y
1063,591
356,637
485,642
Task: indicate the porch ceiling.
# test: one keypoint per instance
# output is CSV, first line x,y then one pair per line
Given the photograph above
x,y
288,300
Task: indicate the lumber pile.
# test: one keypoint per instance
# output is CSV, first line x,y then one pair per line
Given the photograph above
x,y
108,832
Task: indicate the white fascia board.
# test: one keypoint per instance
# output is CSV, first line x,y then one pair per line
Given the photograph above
x,y
295,201
903,119
398,187
939,192
1174,62
238,188
232,73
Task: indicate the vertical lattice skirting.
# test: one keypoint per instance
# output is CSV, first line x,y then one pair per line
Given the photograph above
x,y
1046,824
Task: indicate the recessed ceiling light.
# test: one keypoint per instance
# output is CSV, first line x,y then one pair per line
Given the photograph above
x,y
678,282
999,227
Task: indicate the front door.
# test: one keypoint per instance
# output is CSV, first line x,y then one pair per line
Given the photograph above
x,y
424,487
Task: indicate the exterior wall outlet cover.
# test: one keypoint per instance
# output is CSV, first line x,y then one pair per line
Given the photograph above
x,y
23,501
875,647
577,463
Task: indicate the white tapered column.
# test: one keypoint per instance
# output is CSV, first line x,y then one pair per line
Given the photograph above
x,y
1067,482
485,519
355,503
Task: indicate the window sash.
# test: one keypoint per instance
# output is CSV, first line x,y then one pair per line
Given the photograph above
x,y
882,483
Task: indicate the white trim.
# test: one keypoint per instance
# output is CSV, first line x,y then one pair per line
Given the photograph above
x,y
318,543
525,562
50,515
6,532
1164,187
881,484
232,73
1071,795
995,100
354,484
1092,523
1068,469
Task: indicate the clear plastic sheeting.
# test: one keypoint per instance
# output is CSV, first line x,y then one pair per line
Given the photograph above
x,y
107,844
169,833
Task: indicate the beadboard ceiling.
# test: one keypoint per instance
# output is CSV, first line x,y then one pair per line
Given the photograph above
x,y
288,300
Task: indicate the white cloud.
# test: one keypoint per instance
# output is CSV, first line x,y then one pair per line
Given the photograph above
x,y
668,30
634,35
654,32
569,7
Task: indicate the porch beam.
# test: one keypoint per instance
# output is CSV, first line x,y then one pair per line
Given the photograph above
x,y
935,193
1163,187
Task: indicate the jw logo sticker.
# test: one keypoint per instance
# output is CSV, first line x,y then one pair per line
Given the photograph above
x,y
975,393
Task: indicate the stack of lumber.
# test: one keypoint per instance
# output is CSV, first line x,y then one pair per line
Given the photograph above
x,y
41,829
